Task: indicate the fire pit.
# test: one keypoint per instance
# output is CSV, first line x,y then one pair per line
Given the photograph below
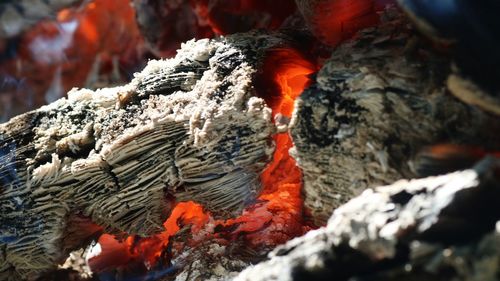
x,y
224,156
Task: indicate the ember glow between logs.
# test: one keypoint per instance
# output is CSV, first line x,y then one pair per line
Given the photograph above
x,y
277,214
87,35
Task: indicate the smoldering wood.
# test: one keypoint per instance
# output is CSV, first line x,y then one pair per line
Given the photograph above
x,y
374,105
191,128
436,228
187,128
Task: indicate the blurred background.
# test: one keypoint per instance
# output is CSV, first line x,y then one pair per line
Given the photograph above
x,y
49,47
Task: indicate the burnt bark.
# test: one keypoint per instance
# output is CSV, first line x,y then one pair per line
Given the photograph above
x,y
374,105
437,228
187,128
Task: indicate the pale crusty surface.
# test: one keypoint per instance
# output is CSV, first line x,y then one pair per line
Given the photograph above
x,y
437,228
189,127
376,103
17,16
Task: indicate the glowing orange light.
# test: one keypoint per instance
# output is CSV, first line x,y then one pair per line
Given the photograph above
x,y
336,20
277,216
282,179
113,254
57,55
185,213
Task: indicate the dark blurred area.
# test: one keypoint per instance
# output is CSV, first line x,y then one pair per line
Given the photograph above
x,y
471,30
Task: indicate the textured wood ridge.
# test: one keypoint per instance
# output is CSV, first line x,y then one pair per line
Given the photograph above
x,y
188,128
376,103
436,228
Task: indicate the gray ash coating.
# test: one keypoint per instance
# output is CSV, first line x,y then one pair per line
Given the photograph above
x,y
376,103
437,228
187,128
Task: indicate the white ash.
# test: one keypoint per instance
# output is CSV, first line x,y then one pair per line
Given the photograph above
x,y
189,128
77,262
210,262
436,228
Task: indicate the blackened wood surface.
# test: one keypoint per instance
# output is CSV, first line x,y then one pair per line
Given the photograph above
x,y
187,128
376,103
437,228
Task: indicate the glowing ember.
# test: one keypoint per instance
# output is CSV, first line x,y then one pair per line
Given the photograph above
x,y
282,179
276,217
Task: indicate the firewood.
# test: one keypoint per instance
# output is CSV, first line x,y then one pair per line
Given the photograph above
x,y
375,104
185,129
436,228
193,129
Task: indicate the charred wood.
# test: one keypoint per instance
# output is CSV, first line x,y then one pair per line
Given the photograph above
x,y
376,103
185,129
210,261
437,228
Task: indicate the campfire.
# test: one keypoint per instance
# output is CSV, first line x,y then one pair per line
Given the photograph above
x,y
218,140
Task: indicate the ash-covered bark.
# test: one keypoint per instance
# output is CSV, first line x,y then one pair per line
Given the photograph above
x,y
187,128
376,102
210,261
437,228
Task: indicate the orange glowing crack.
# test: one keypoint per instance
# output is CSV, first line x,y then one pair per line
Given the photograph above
x,y
277,216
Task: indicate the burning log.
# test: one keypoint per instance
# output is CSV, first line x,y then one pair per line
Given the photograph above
x,y
185,161
437,228
119,159
274,218
376,103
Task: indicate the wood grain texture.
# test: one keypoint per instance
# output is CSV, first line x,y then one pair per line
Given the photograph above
x,y
376,103
187,128
436,228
